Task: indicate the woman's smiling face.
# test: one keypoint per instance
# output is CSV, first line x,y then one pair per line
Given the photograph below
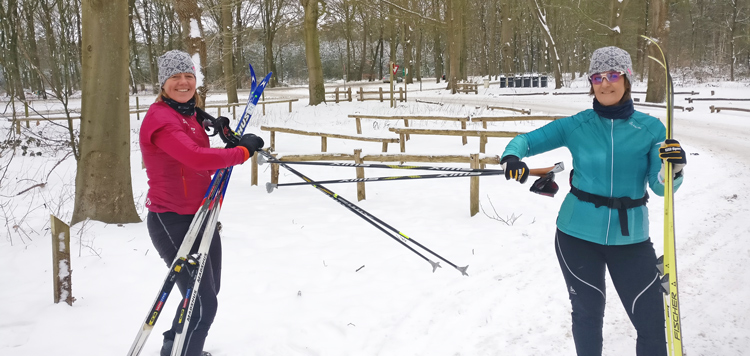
x,y
180,87
609,93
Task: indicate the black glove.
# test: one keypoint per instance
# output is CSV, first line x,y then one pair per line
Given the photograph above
x,y
515,168
671,151
251,142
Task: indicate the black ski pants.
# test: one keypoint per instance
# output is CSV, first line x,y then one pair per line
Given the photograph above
x,y
167,230
636,279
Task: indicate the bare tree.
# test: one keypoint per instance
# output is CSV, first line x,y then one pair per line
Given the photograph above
x,y
274,15
227,54
192,32
312,51
541,15
659,30
103,187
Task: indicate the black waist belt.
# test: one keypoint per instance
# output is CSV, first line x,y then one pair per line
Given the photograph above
x,y
621,204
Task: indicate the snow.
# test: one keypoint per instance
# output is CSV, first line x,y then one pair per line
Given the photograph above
x,y
302,275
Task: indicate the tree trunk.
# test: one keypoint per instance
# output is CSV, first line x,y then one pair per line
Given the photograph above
x,y
658,11
14,68
37,83
363,61
506,36
617,8
436,49
238,58
271,15
455,39
226,40
312,52
103,187
552,46
192,32
146,28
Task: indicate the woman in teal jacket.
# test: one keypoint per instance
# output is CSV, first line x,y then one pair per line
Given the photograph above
x,y
603,221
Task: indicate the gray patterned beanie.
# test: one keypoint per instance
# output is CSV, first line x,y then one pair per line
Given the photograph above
x,y
611,58
174,62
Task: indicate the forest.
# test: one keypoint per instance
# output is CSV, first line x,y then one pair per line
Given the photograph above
x,y
41,39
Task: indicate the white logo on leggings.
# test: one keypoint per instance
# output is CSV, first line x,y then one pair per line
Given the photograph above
x,y
572,291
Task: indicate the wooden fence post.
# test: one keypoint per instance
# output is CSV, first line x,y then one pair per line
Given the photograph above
x,y
26,113
360,174
336,92
463,127
361,94
349,93
474,187
274,171
61,271
137,109
254,172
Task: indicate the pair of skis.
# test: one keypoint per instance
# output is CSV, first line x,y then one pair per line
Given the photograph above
x,y
206,217
667,263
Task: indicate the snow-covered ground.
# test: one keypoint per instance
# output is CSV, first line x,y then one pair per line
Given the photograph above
x,y
302,275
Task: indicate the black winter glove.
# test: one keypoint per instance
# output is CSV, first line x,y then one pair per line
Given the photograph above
x,y
251,142
515,168
671,151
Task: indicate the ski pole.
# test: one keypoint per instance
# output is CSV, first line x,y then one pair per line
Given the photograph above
x,y
371,219
558,167
539,172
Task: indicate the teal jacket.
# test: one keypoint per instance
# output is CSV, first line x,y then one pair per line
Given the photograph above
x,y
611,158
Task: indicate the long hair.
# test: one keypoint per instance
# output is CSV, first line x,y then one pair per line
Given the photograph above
x,y
625,96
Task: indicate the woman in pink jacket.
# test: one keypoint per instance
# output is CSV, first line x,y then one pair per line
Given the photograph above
x,y
179,163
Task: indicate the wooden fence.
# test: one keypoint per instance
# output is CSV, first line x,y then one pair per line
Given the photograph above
x,y
473,160
362,95
719,109
347,94
324,137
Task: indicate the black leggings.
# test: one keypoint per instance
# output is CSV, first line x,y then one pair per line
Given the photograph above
x,y
167,230
636,279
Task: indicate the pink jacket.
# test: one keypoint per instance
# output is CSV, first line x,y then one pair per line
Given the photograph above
x,y
179,161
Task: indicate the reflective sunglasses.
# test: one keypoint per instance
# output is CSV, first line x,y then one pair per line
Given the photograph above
x,y
612,77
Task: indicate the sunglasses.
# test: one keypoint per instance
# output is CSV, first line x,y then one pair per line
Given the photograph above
x,y
612,77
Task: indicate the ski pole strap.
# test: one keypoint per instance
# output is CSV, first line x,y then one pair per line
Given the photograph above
x,y
220,125
621,204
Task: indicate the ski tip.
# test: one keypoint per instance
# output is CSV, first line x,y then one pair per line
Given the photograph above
x,y
270,187
463,270
253,80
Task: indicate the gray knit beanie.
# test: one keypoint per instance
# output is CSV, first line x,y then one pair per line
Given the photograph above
x,y
611,58
174,62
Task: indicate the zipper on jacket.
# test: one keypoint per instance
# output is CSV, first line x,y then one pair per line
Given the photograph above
x,y
611,174
184,181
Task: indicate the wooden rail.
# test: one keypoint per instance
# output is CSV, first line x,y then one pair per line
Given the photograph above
x,y
482,134
324,137
473,160
719,109
361,94
359,117
336,93
485,119
683,108
690,100
522,111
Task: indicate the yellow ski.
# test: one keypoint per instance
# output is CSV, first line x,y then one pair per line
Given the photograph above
x,y
668,262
